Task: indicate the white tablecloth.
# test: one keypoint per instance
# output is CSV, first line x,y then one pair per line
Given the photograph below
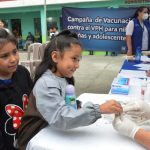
x,y
98,136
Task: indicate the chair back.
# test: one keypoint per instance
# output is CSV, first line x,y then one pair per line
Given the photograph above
x,y
33,51
41,51
33,57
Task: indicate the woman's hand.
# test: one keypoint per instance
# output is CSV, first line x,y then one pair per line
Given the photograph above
x,y
111,107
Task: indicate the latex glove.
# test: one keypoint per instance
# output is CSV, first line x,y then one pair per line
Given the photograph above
x,y
125,126
137,108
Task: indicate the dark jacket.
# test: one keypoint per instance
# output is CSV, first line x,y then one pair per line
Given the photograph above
x,y
30,38
13,100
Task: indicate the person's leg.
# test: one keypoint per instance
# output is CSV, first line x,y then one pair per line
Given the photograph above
x,y
113,54
91,52
106,53
25,45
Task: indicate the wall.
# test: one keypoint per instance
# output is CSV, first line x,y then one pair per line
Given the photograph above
x,y
21,3
27,21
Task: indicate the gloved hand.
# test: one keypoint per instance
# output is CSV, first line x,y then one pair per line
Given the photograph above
x,y
125,126
137,108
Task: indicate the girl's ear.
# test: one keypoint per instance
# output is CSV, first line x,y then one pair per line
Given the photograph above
x,y
55,56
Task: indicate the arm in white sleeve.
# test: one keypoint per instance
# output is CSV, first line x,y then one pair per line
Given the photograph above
x,y
129,32
52,107
130,28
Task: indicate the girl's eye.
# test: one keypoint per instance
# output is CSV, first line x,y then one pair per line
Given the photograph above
x,y
76,59
15,51
4,56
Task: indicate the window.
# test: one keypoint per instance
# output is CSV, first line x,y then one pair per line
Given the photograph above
x,y
16,27
37,29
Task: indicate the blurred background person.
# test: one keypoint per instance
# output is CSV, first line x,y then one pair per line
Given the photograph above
x,y
138,31
29,40
3,25
53,31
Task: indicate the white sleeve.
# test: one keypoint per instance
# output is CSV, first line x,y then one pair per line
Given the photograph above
x,y
130,28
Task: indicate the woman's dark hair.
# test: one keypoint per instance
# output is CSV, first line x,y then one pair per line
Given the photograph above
x,y
53,26
6,36
59,43
140,9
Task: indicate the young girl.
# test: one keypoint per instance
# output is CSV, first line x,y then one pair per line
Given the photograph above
x,y
47,107
15,85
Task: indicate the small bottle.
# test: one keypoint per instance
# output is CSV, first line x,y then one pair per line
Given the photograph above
x,y
70,97
143,88
138,54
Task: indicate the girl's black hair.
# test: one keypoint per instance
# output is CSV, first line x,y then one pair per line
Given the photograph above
x,y
140,9
6,36
61,41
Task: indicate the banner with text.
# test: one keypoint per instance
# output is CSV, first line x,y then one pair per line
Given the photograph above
x,y
98,28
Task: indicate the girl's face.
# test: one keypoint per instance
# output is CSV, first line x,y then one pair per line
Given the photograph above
x,y
9,59
69,62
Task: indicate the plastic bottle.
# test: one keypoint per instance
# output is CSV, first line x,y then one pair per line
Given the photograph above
x,y
143,88
70,97
138,54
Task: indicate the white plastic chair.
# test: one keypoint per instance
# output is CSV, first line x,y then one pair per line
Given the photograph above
x,y
42,50
33,57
